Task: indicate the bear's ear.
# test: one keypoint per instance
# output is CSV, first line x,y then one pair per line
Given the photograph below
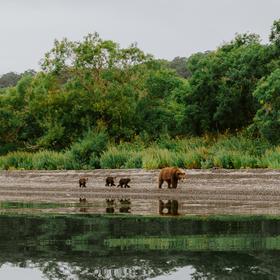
x,y
178,173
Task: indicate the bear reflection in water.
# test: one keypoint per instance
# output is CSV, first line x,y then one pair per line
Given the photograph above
x,y
83,202
168,208
124,205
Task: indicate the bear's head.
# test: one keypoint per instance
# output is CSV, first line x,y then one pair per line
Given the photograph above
x,y
180,174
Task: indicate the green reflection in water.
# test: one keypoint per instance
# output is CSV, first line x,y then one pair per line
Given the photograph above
x,y
129,247
24,205
198,243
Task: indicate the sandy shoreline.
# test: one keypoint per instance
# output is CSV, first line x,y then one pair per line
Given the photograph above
x,y
252,191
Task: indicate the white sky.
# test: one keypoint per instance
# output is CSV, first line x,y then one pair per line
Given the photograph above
x,y
164,28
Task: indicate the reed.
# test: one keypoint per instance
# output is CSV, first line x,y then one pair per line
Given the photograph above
x,y
94,151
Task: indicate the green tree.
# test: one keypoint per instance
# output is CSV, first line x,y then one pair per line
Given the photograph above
x,y
179,64
267,118
9,79
222,82
94,84
159,110
275,33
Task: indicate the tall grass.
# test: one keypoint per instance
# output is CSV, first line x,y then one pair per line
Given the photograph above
x,y
234,160
271,158
156,157
16,160
114,158
49,160
87,151
94,151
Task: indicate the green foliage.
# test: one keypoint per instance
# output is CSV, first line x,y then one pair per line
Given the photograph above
x,y
275,33
234,160
135,160
271,158
95,85
17,160
159,110
157,158
222,82
10,79
179,64
231,152
51,160
267,118
114,158
196,158
252,146
89,149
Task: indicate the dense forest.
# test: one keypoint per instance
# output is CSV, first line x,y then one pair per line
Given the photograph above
x,y
94,102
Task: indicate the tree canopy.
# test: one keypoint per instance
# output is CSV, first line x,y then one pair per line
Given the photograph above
x,y
95,85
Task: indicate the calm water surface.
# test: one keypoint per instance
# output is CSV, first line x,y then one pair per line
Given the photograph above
x,y
122,245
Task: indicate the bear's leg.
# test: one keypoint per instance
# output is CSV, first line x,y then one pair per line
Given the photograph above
x,y
169,183
174,182
160,183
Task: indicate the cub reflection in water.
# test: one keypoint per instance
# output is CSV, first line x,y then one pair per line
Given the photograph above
x,y
168,208
124,205
110,203
83,201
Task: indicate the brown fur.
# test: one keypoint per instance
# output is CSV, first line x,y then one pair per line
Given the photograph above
x,y
168,208
123,183
82,182
110,181
171,175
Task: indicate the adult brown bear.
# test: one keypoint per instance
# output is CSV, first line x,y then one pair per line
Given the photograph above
x,y
171,175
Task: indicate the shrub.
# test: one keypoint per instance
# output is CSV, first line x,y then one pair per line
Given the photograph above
x,y
49,160
87,151
271,158
114,158
134,161
16,160
195,158
155,157
234,159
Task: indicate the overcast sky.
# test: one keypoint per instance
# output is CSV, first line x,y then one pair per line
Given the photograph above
x,y
164,28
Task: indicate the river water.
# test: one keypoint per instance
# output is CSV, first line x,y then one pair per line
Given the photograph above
x,y
122,245
216,225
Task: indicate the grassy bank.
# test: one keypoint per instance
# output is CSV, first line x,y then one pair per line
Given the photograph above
x,y
96,151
